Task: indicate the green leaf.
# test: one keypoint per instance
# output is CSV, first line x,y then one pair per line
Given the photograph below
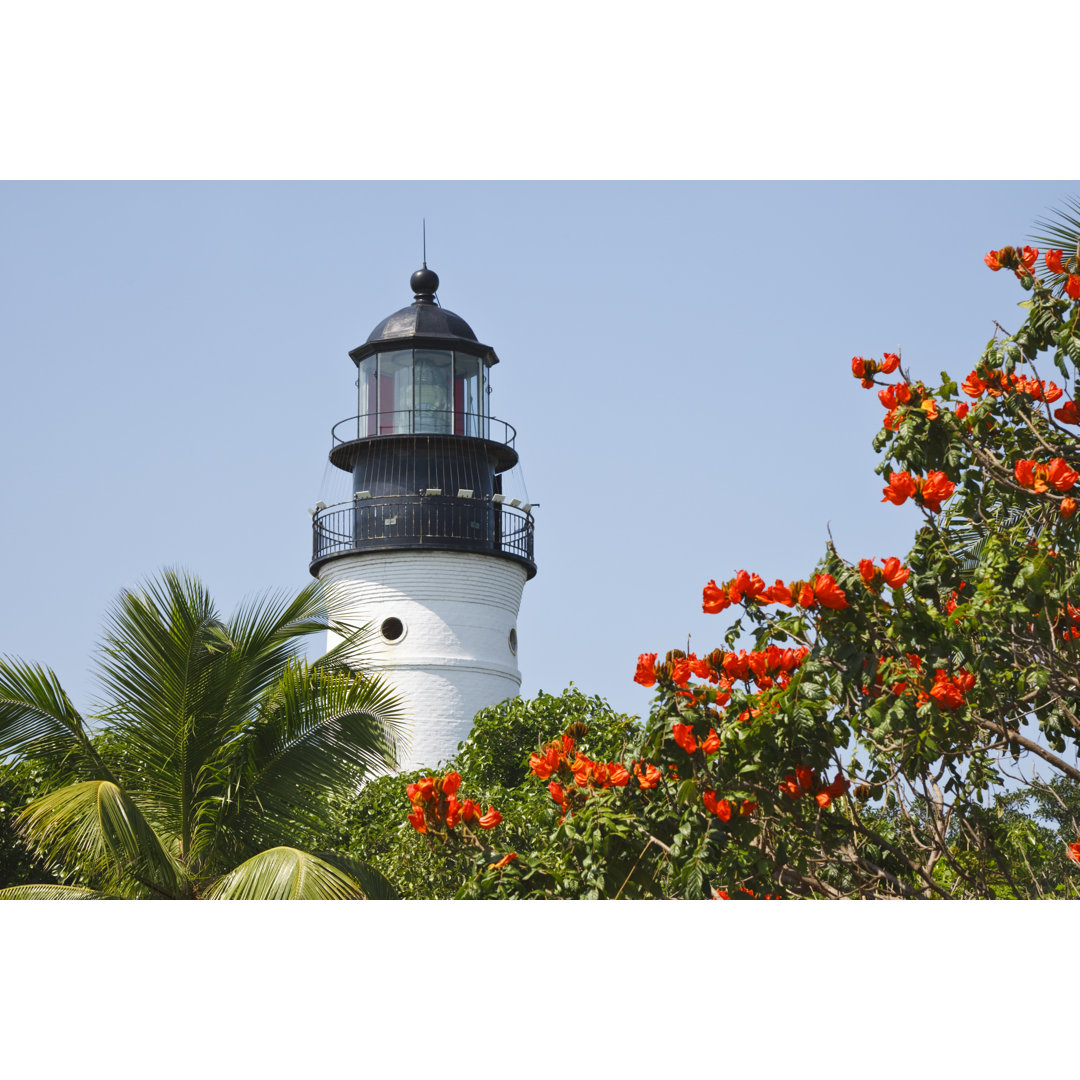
x,y
284,873
687,792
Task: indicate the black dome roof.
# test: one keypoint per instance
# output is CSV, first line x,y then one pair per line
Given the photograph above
x,y
424,324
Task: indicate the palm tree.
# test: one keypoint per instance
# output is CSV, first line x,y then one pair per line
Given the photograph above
x,y
217,751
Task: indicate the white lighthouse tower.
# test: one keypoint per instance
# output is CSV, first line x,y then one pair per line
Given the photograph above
x,y
428,550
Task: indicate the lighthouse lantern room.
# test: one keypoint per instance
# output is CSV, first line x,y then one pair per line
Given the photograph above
x,y
429,551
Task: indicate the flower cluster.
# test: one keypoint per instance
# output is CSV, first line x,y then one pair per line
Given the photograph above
x,y
764,666
891,573
722,808
865,370
929,491
722,894
948,690
1040,478
901,394
805,782
1072,851
554,762
996,382
683,734
822,590
1008,258
1023,262
436,808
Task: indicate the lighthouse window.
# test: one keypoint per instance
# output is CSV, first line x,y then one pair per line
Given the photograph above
x,y
392,629
513,640
431,390
468,401
368,387
395,392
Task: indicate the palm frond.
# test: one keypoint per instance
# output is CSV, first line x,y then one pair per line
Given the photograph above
x,y
37,720
374,885
94,827
1061,229
285,873
318,732
52,892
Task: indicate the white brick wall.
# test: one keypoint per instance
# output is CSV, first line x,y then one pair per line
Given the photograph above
x,y
454,658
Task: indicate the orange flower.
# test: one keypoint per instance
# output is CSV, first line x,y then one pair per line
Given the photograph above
x,y
647,778
617,775
646,669
680,671
973,386
1068,507
557,793
858,367
451,782
790,787
453,812
720,807
805,776
490,819
929,406
934,490
806,595
838,787
962,410
1072,851
714,599
684,736
1028,256
991,260
1068,413
1072,287
828,593
416,820
506,860
712,743
580,768
894,574
747,808
890,364
779,594
1024,471
949,692
899,489
1053,261
469,811
822,799
1060,475
544,766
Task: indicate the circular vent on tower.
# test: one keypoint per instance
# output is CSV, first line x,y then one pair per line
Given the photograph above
x,y
513,640
392,629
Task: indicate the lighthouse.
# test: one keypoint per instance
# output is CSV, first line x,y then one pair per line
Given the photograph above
x,y
428,551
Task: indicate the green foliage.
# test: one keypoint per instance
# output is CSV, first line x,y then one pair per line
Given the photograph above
x,y
219,747
19,783
493,763
942,694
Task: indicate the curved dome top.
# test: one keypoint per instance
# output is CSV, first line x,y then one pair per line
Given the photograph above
x,y
424,324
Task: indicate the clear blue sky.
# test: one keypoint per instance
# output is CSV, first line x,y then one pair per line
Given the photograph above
x,y
675,358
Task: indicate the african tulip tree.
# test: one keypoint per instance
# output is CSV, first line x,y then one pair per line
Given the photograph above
x,y
873,739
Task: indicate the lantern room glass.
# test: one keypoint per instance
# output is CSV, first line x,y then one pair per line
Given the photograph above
x,y
423,391
432,378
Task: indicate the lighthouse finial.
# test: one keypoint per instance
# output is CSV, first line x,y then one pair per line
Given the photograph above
x,y
423,225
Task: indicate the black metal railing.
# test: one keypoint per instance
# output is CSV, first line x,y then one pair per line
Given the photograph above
x,y
423,422
446,522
